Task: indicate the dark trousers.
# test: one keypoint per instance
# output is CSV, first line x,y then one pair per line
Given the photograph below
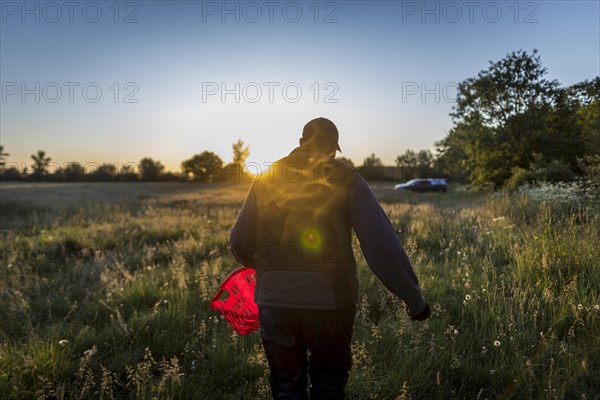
x,y
313,341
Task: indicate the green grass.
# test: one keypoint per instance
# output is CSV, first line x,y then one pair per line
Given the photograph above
x,y
105,290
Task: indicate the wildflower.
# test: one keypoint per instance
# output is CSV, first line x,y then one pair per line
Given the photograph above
x,y
596,307
63,342
90,352
579,307
466,300
483,350
497,343
451,331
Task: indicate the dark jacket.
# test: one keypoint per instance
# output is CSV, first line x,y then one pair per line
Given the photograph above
x,y
295,228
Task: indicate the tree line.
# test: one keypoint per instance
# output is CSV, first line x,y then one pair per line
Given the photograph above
x,y
202,167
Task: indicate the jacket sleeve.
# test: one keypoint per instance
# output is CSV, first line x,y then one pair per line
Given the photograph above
x,y
381,248
242,236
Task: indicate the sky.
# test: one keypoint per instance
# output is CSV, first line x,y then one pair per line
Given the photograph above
x,y
114,82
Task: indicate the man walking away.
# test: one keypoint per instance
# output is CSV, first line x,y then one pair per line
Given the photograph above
x,y
295,229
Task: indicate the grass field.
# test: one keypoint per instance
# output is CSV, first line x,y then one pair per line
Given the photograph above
x,y
105,289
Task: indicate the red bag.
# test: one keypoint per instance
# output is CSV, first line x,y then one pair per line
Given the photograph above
x,y
239,308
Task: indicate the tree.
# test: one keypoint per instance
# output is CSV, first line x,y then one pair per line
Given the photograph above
x,y
372,161
11,174
240,153
587,96
40,164
234,171
415,164
127,173
425,159
150,170
3,156
73,172
588,118
507,88
408,159
454,152
203,167
346,160
372,169
509,116
105,172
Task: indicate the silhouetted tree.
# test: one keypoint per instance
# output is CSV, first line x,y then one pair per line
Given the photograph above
x,y
240,153
127,173
105,172
204,167
345,160
372,169
416,164
73,172
234,171
12,174
150,170
372,161
425,159
3,156
407,160
40,164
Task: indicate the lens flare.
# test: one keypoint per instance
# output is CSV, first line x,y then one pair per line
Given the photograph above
x,y
311,238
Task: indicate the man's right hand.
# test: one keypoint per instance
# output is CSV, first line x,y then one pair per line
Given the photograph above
x,y
421,316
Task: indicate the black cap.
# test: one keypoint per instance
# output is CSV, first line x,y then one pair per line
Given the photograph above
x,y
321,130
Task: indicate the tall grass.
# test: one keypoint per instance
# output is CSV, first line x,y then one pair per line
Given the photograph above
x,y
107,297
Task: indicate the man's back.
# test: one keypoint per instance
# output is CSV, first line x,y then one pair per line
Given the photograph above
x,y
304,257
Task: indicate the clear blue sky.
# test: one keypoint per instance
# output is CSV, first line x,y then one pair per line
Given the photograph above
x,y
373,58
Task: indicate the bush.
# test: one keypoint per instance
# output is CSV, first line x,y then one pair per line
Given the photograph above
x,y
541,171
